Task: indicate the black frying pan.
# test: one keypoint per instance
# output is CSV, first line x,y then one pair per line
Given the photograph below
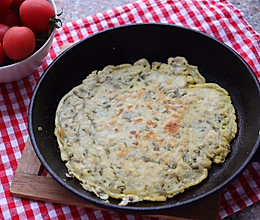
x,y
156,42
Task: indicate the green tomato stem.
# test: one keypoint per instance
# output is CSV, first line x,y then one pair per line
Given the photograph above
x,y
55,22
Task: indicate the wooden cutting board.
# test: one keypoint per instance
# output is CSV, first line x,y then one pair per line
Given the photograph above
x,y
29,183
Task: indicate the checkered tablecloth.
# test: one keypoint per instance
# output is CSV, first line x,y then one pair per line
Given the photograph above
x,y
217,18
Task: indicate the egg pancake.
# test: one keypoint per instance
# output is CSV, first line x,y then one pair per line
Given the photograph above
x,y
144,132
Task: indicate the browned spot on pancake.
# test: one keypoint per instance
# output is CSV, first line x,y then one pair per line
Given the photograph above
x,y
122,98
139,94
151,123
173,103
120,111
112,121
134,133
149,106
171,127
138,120
172,107
122,152
149,135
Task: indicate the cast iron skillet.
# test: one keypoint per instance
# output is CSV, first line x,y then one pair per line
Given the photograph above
x,y
156,42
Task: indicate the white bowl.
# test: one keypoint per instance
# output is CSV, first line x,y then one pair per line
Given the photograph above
x,y
27,66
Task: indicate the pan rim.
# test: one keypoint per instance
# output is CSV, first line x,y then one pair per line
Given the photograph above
x,y
136,209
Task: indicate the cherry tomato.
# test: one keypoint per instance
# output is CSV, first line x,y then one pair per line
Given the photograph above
x,y
10,18
2,55
17,3
19,43
35,14
3,29
4,5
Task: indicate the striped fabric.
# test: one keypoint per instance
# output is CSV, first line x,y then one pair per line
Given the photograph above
x,y
217,18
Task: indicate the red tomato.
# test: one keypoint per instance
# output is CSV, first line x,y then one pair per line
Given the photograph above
x,y
10,18
4,5
35,14
3,29
17,3
19,43
2,55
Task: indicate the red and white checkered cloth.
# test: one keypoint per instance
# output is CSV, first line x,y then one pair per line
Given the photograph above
x,y
217,18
